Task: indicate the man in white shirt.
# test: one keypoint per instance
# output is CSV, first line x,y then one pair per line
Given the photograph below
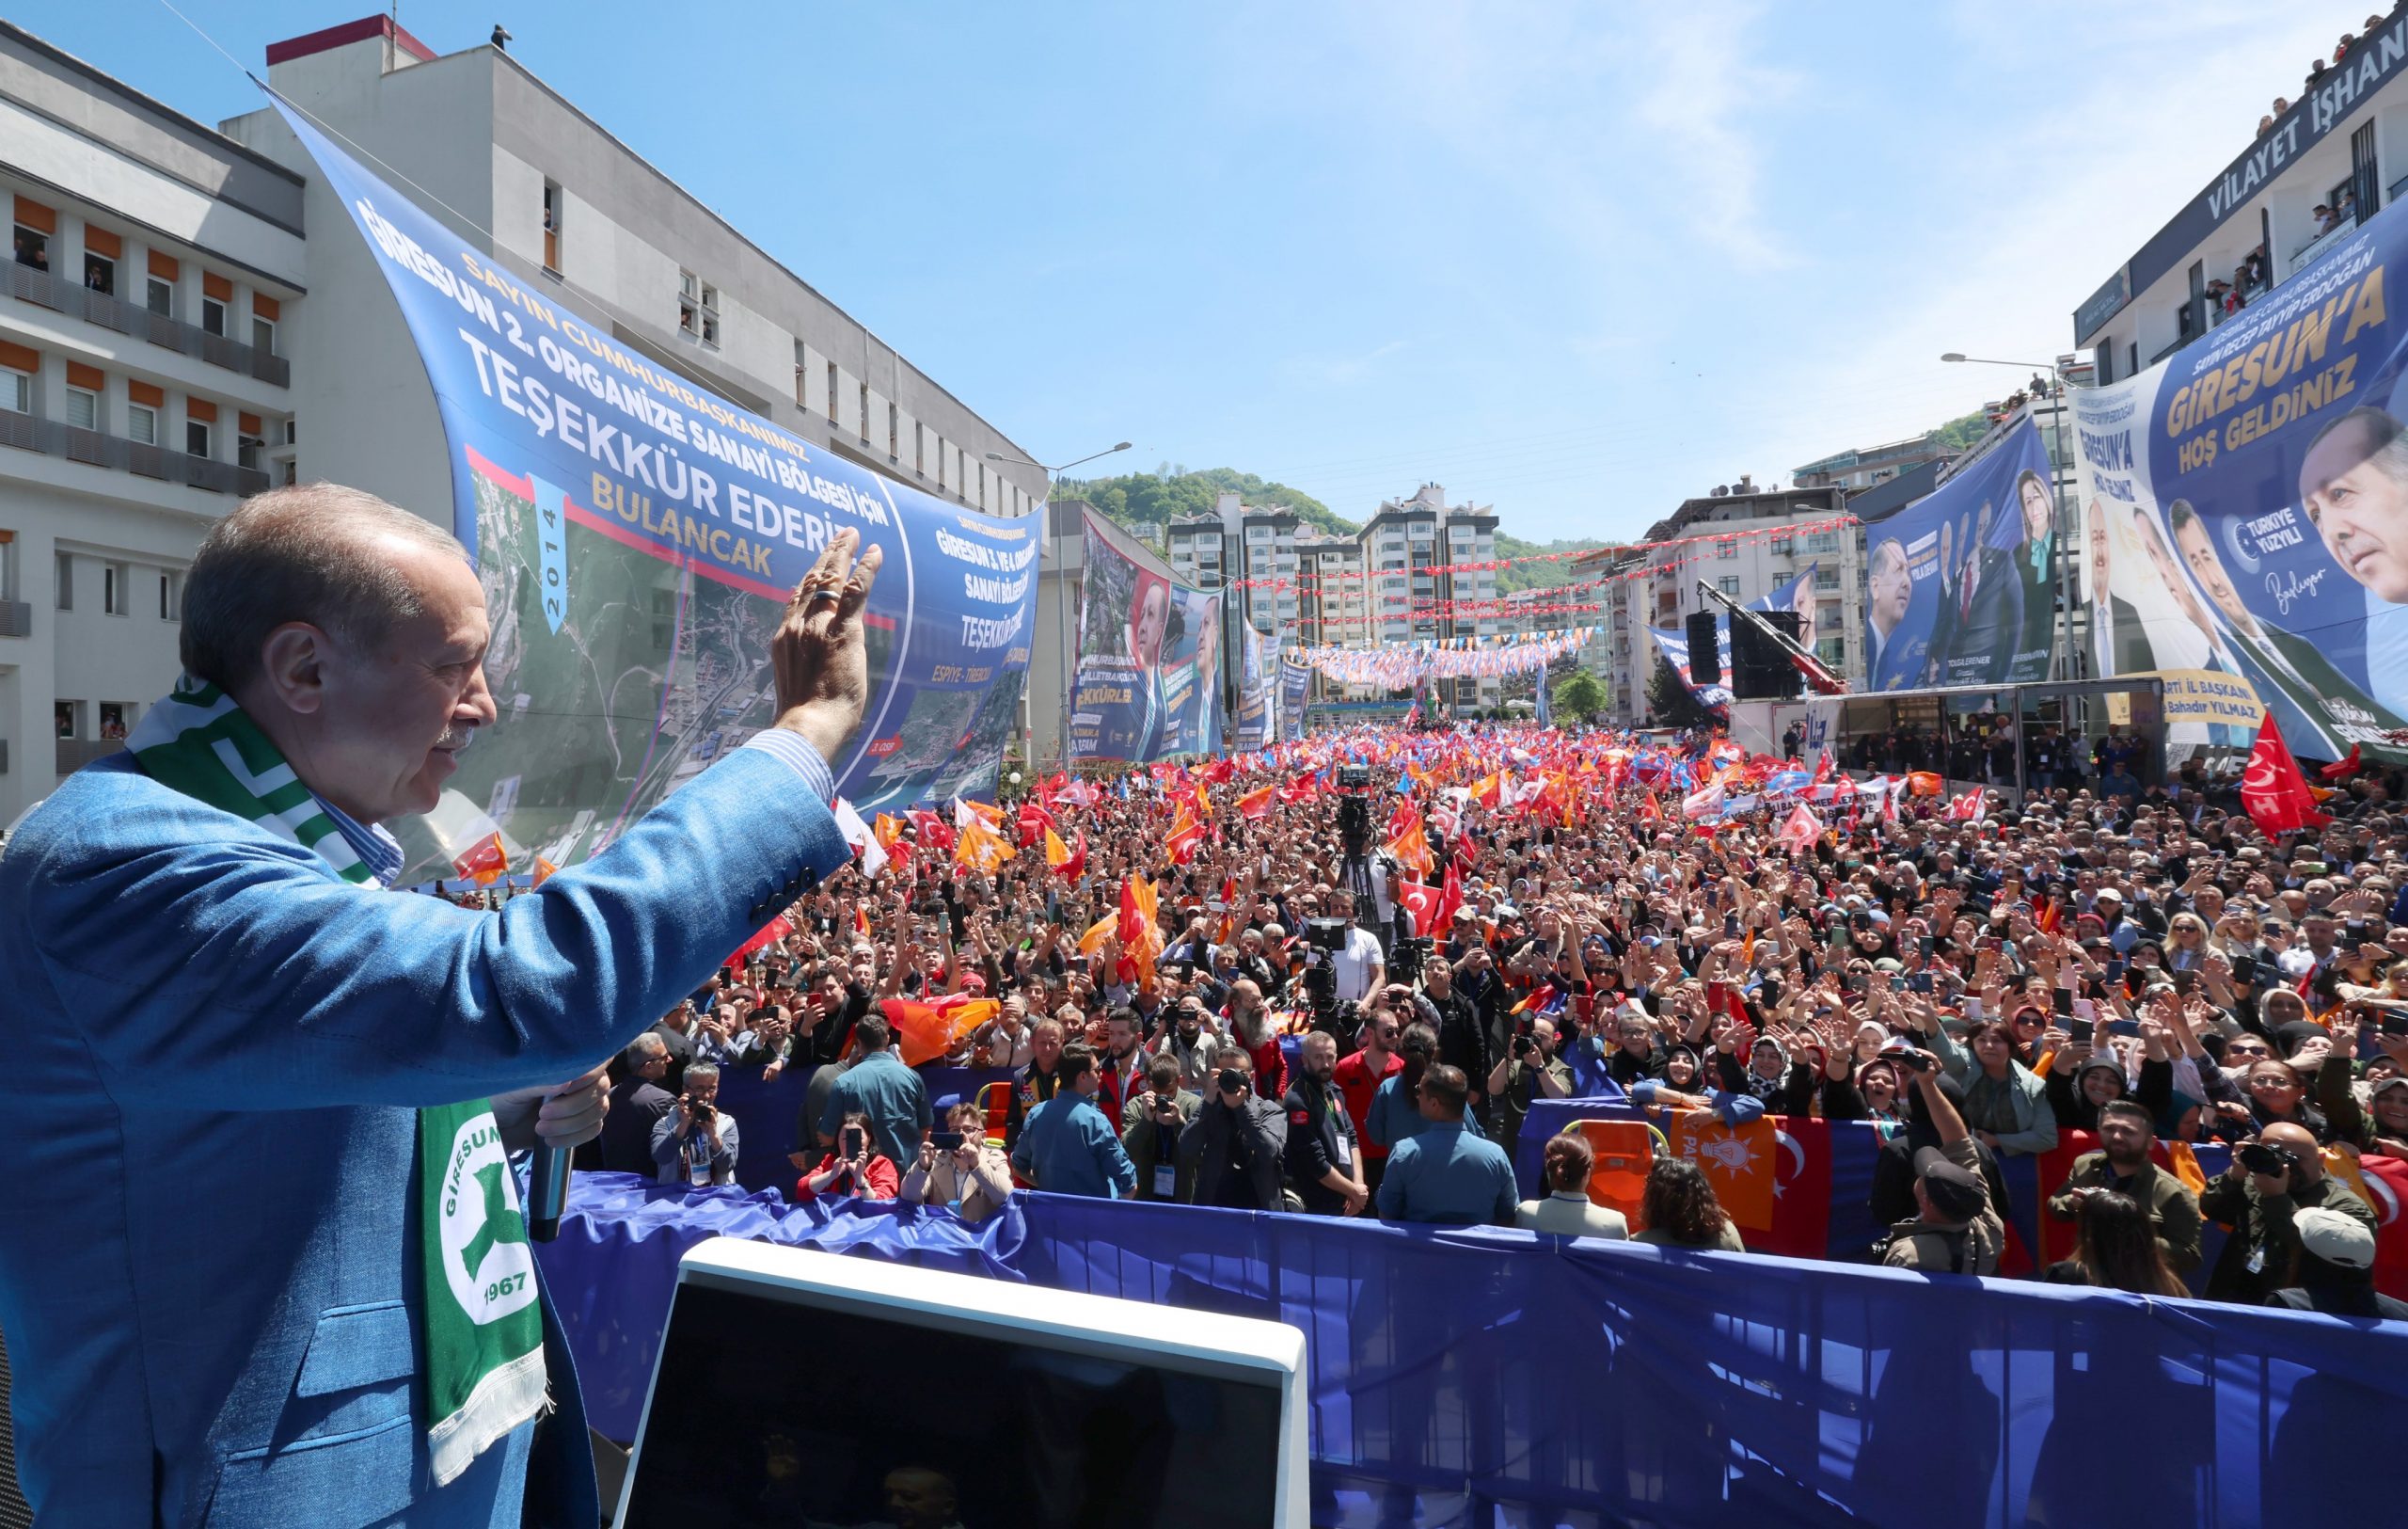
x,y
1361,968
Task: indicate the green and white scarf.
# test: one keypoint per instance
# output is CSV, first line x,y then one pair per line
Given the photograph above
x,y
482,1334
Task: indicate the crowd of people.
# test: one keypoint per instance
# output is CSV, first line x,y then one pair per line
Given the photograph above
x,y
2144,966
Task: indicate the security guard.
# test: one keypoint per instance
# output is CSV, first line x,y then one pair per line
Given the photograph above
x,y
1446,1174
1325,1160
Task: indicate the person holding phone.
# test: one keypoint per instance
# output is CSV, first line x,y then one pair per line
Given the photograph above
x,y
854,1166
957,1169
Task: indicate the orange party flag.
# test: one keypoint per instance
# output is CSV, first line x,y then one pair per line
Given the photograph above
x,y
545,870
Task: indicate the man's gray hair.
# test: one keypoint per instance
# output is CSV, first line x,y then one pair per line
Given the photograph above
x,y
644,1047
1886,550
309,554
701,1072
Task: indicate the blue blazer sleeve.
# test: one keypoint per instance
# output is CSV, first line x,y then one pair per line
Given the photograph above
x,y
204,958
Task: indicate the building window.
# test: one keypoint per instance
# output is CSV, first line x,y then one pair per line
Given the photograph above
x,y
832,392
1727,547
115,599
799,373
83,409
1823,541
142,424
248,450
113,718
16,391
100,274
697,309
213,316
920,448
161,298
1730,583
1827,578
33,247
263,335
66,581
62,715
893,432
171,596
861,419
195,438
552,227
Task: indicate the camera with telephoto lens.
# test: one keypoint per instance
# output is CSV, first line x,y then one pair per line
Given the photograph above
x,y
2264,1157
1404,961
701,1109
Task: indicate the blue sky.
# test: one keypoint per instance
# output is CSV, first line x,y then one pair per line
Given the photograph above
x,y
1577,261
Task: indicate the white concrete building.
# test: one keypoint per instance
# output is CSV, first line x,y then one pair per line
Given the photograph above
x,y
523,174
1402,544
163,318
2342,144
157,270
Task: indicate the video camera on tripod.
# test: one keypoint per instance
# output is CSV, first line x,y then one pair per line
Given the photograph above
x,y
1355,809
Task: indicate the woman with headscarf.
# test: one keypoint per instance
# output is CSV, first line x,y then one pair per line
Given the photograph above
x,y
1781,1086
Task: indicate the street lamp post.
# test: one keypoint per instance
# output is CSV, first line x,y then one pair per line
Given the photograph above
x,y
1062,591
2061,661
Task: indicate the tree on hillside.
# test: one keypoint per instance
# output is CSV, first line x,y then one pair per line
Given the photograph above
x,y
1578,695
1673,705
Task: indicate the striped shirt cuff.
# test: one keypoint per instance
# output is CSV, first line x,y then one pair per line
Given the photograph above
x,y
796,752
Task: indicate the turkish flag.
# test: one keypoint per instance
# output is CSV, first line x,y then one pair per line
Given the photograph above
x,y
934,832
1303,788
1650,810
1450,896
1186,836
1799,833
2386,1181
1822,768
1421,900
1035,824
2272,790
1802,1190
485,861
776,929
1256,804
1220,771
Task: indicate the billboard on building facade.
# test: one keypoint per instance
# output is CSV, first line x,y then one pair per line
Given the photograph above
x,y
1254,724
1295,678
2245,504
1960,586
1150,656
639,538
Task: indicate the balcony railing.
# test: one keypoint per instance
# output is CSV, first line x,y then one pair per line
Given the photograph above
x,y
2322,245
43,290
75,753
16,618
52,438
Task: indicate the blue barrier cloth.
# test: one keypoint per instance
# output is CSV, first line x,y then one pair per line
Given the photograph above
x,y
1486,1376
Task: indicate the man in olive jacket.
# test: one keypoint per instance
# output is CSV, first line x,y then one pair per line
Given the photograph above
x,y
2125,1131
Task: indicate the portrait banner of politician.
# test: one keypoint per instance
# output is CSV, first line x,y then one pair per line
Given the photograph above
x,y
1960,586
1150,658
2246,506
637,537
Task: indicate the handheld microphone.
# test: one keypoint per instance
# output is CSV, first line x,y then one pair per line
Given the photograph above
x,y
547,1192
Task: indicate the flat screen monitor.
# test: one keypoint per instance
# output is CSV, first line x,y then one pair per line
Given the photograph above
x,y
802,1390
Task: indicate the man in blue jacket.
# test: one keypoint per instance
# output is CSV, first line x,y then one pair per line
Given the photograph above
x,y
275,1271
1446,1174
1068,1147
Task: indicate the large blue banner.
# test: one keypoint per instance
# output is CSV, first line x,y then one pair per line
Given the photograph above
x,y
639,536
1961,585
1254,717
1294,678
1797,593
1149,681
2246,503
